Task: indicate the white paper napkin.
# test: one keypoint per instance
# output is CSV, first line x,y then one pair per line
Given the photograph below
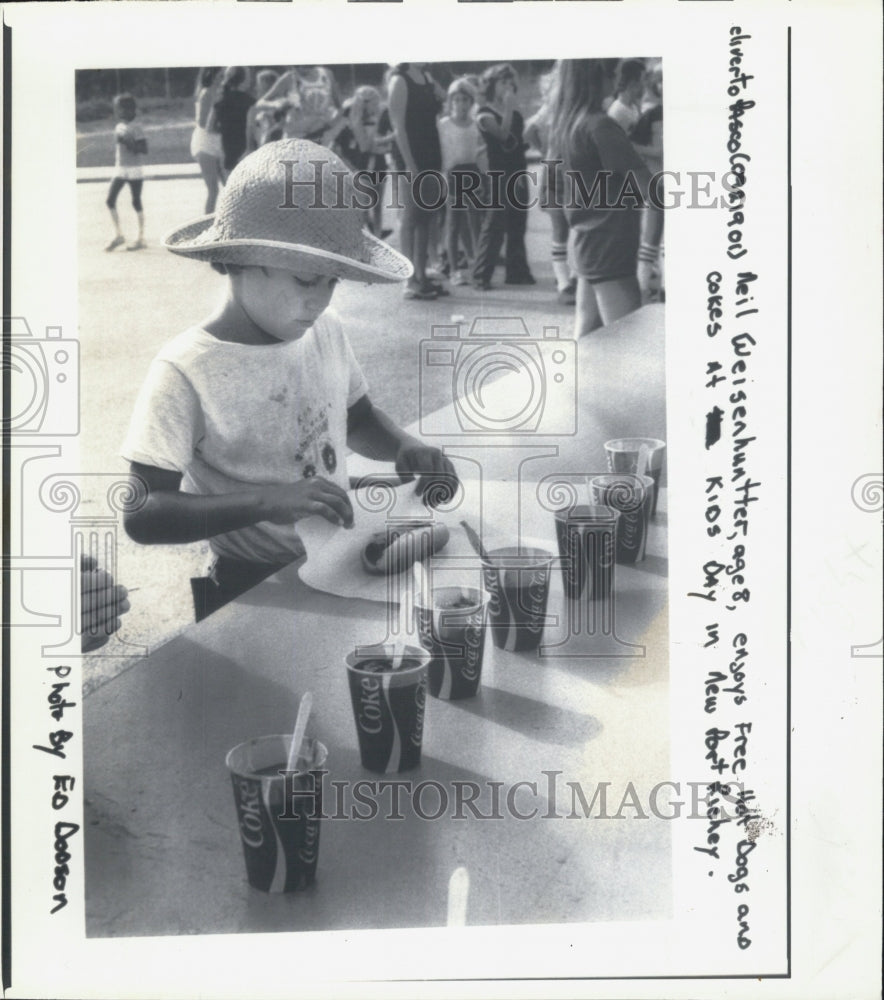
x,y
334,555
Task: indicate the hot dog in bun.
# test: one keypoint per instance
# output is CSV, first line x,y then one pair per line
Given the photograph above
x,y
397,548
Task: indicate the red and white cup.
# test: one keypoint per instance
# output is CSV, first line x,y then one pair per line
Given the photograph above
x,y
278,814
388,705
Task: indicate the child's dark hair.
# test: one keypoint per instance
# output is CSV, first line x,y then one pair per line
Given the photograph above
x,y
125,102
234,76
206,75
493,75
628,72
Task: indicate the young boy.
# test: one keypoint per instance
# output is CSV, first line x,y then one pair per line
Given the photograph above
x,y
241,427
131,148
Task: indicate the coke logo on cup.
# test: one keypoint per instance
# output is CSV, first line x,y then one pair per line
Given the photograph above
x,y
606,548
307,853
630,531
473,640
420,699
369,717
537,590
251,826
492,585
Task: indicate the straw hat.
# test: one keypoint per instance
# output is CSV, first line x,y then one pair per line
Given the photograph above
x,y
286,206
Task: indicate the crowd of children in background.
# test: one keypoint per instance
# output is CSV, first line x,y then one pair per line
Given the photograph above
x,y
594,115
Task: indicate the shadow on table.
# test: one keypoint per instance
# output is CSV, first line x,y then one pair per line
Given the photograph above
x,y
654,564
533,718
381,861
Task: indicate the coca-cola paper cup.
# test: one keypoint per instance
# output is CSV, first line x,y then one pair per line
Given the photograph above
x,y
631,497
517,582
586,536
623,456
388,706
452,629
279,815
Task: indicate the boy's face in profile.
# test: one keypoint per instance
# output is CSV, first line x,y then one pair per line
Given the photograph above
x,y
283,304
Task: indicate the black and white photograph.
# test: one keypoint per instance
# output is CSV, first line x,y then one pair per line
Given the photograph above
x,y
406,568
497,539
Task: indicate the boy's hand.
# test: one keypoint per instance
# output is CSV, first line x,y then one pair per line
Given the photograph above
x,y
289,503
102,602
438,480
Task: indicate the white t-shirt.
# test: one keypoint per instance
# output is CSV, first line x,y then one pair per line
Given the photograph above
x,y
230,417
127,163
624,114
459,143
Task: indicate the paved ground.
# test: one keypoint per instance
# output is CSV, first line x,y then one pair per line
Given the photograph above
x,y
130,303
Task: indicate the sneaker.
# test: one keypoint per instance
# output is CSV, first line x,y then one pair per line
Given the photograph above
x,y
521,279
117,241
438,288
460,278
137,245
415,291
482,284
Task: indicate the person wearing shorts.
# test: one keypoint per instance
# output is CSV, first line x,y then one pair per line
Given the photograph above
x,y
605,227
205,146
131,148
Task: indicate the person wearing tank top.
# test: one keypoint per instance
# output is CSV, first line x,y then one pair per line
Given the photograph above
x,y
415,100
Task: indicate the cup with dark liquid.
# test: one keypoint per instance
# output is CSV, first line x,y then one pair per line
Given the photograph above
x,y
517,581
586,535
631,497
451,625
624,455
279,813
388,690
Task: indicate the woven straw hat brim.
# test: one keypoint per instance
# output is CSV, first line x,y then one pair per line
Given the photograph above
x,y
379,263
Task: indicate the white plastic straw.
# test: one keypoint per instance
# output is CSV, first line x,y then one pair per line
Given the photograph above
x,y
300,728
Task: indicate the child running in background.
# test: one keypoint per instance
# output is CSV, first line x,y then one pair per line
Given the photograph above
x,y
462,149
537,133
131,148
606,229
242,425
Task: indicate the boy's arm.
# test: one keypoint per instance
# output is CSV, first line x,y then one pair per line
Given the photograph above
x,y
168,516
370,432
